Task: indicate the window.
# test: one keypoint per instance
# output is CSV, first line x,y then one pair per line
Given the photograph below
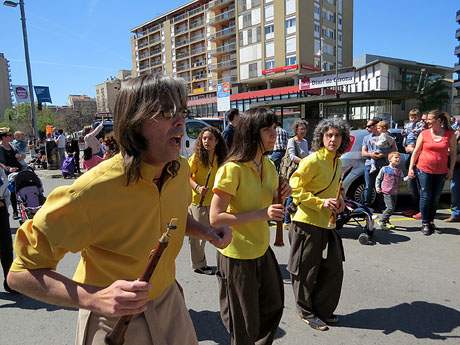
x,y
368,84
268,13
253,70
377,83
290,6
290,44
269,49
324,32
269,31
317,47
330,33
269,64
316,12
291,60
317,29
340,22
340,38
290,25
331,17
339,57
317,63
247,20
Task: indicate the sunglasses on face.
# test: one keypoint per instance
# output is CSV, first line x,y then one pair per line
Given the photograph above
x,y
169,114
369,126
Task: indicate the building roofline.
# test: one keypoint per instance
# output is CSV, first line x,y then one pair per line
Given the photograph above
x,y
151,21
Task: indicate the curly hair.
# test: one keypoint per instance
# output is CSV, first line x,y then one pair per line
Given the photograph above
x,y
297,124
140,99
220,150
342,126
247,138
112,146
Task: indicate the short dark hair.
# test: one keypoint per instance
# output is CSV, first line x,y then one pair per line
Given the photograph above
x,y
232,113
60,131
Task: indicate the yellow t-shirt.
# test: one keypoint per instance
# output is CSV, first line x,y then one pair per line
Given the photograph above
x,y
199,173
315,173
114,226
242,181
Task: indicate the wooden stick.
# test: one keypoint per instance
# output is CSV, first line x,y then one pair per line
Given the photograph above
x,y
279,224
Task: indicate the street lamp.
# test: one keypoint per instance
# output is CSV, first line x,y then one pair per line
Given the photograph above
x,y
26,52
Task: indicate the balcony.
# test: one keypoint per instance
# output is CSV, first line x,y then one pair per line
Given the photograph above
x,y
457,34
181,42
224,65
195,11
155,52
198,64
183,67
197,37
227,48
199,76
457,67
143,66
154,28
225,33
457,50
217,4
179,18
223,17
231,79
156,63
458,17
198,50
186,77
196,24
457,84
144,56
155,40
182,55
181,29
143,44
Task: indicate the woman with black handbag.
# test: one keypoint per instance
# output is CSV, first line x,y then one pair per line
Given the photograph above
x,y
297,149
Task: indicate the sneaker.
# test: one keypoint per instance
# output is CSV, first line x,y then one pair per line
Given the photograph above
x,y
15,216
417,216
331,319
390,226
426,229
373,170
435,229
384,226
315,323
409,213
204,270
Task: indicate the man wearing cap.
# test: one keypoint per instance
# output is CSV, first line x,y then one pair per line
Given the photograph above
x,y
141,189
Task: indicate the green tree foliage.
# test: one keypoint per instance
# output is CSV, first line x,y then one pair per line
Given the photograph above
x,y
20,119
431,91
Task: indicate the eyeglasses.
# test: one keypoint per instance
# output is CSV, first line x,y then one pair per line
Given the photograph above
x,y
169,114
8,135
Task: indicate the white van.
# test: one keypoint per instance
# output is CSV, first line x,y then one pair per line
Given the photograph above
x,y
193,128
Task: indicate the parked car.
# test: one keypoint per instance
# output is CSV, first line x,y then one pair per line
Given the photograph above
x,y
193,128
354,183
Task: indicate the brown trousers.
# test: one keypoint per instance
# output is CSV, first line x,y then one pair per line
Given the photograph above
x,y
251,298
165,322
317,282
197,253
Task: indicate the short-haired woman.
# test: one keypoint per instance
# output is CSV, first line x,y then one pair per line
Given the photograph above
x,y
315,260
250,282
434,146
209,154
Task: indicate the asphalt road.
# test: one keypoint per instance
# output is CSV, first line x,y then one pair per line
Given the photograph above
x,y
402,290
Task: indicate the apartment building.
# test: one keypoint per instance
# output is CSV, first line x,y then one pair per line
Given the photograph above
x,y
456,100
106,92
5,86
251,44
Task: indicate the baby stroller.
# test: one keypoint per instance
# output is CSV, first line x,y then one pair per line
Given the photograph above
x,y
358,213
29,192
68,167
39,161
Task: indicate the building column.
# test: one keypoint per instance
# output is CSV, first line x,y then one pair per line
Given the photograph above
x,y
269,84
296,79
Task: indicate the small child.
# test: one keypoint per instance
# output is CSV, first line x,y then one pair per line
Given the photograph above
x,y
412,130
387,182
20,145
384,143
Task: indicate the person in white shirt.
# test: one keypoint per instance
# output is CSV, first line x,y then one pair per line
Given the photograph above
x,y
61,146
91,140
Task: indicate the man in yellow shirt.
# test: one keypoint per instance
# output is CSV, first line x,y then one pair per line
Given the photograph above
x,y
114,215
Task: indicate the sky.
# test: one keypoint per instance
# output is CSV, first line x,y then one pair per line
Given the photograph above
x,y
76,44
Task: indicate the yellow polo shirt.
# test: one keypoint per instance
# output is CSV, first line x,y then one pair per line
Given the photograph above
x,y
249,193
315,173
199,173
114,226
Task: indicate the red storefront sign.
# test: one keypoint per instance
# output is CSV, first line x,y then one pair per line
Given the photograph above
x,y
280,69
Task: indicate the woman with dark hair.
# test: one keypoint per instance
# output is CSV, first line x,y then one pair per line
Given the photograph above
x,y
210,152
250,282
434,146
297,148
315,260
90,160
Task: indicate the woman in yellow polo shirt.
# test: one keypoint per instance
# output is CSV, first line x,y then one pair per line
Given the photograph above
x,y
209,153
251,287
315,260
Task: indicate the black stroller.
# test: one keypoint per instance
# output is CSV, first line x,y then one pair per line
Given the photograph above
x,y
29,192
359,214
